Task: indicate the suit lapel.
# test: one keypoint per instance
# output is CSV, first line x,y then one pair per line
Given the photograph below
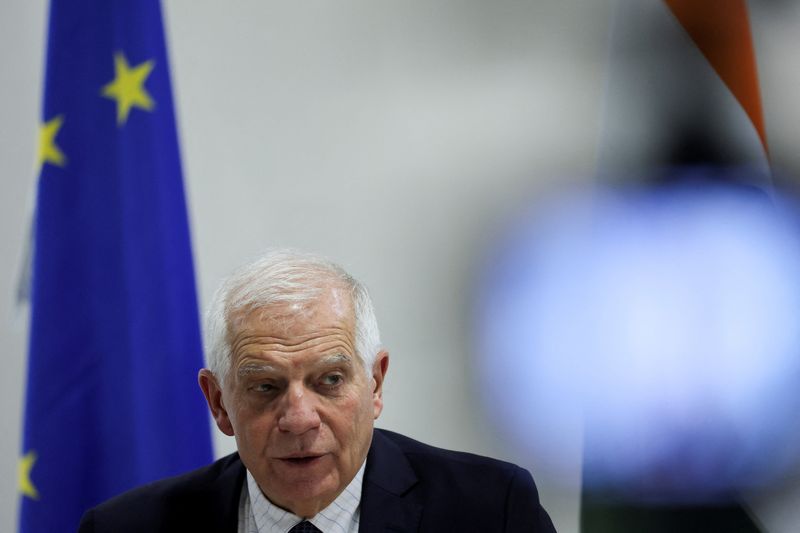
x,y
386,504
216,503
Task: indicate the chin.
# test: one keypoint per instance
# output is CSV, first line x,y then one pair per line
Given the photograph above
x,y
308,499
305,491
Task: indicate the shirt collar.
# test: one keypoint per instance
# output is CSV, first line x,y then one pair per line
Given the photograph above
x,y
341,514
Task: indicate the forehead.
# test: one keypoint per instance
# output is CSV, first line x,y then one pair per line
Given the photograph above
x,y
331,313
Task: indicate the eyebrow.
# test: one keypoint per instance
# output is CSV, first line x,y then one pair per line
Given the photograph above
x,y
262,368
254,368
336,359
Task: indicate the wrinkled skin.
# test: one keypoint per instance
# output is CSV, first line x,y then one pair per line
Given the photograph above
x,y
298,400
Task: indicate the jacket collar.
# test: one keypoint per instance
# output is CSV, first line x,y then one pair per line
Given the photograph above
x,y
385,505
214,500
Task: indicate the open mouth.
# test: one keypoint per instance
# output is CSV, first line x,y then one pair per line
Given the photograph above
x,y
302,461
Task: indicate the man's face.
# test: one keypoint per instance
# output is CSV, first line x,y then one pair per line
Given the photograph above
x,y
298,400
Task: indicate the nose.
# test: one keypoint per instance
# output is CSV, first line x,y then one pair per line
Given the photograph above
x,y
299,411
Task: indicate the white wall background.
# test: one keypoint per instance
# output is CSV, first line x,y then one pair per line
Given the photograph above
x,y
392,137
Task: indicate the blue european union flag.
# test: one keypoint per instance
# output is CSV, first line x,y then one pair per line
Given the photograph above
x,y
112,400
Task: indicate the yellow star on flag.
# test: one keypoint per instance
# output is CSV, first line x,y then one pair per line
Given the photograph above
x,y
49,152
24,475
127,87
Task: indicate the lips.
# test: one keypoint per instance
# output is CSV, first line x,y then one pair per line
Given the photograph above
x,y
301,460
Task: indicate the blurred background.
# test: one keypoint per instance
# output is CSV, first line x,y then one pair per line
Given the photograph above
x,y
410,142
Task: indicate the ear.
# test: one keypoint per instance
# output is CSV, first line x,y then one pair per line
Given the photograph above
x,y
379,369
213,393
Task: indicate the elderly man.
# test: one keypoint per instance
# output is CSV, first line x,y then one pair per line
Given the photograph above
x,y
296,375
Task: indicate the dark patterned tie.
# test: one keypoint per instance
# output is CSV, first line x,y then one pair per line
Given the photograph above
x,y
305,527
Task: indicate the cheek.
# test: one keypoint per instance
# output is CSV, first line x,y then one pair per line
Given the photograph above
x,y
361,418
346,419
252,424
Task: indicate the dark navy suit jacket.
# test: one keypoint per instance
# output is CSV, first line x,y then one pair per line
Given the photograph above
x,y
408,487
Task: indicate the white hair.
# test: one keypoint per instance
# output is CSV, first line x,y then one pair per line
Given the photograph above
x,y
283,276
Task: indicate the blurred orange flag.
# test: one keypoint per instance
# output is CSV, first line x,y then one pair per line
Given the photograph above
x,y
721,30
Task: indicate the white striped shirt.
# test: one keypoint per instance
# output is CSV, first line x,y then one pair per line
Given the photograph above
x,y
259,515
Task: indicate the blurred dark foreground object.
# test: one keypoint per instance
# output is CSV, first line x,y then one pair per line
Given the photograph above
x,y
599,516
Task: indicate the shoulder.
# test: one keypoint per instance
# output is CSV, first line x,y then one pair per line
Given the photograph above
x,y
208,497
477,492
424,457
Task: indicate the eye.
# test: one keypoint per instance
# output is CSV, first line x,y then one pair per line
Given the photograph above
x,y
332,380
264,388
